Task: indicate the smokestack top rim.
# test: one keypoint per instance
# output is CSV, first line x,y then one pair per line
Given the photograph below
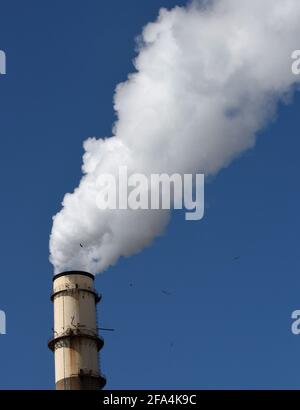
x,y
73,272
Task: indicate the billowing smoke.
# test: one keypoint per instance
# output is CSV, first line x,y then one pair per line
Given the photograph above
x,y
208,78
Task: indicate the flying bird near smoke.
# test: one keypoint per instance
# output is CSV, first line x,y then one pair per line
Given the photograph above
x,y
208,78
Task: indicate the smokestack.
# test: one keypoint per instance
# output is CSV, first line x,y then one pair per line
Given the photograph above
x,y
76,343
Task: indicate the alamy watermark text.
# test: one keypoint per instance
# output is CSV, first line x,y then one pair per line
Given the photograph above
x,y
2,62
296,322
154,191
2,323
296,62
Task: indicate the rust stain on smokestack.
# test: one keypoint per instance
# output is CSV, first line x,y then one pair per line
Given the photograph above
x,y
76,343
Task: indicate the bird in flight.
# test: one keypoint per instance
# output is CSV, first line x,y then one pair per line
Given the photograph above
x,y
81,246
106,329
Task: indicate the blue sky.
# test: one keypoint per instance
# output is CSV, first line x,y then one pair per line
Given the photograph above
x,y
226,323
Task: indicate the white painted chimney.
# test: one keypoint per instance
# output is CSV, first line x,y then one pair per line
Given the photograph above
x,y
76,343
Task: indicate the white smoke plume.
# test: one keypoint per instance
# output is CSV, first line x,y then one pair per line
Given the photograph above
x,y
208,78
